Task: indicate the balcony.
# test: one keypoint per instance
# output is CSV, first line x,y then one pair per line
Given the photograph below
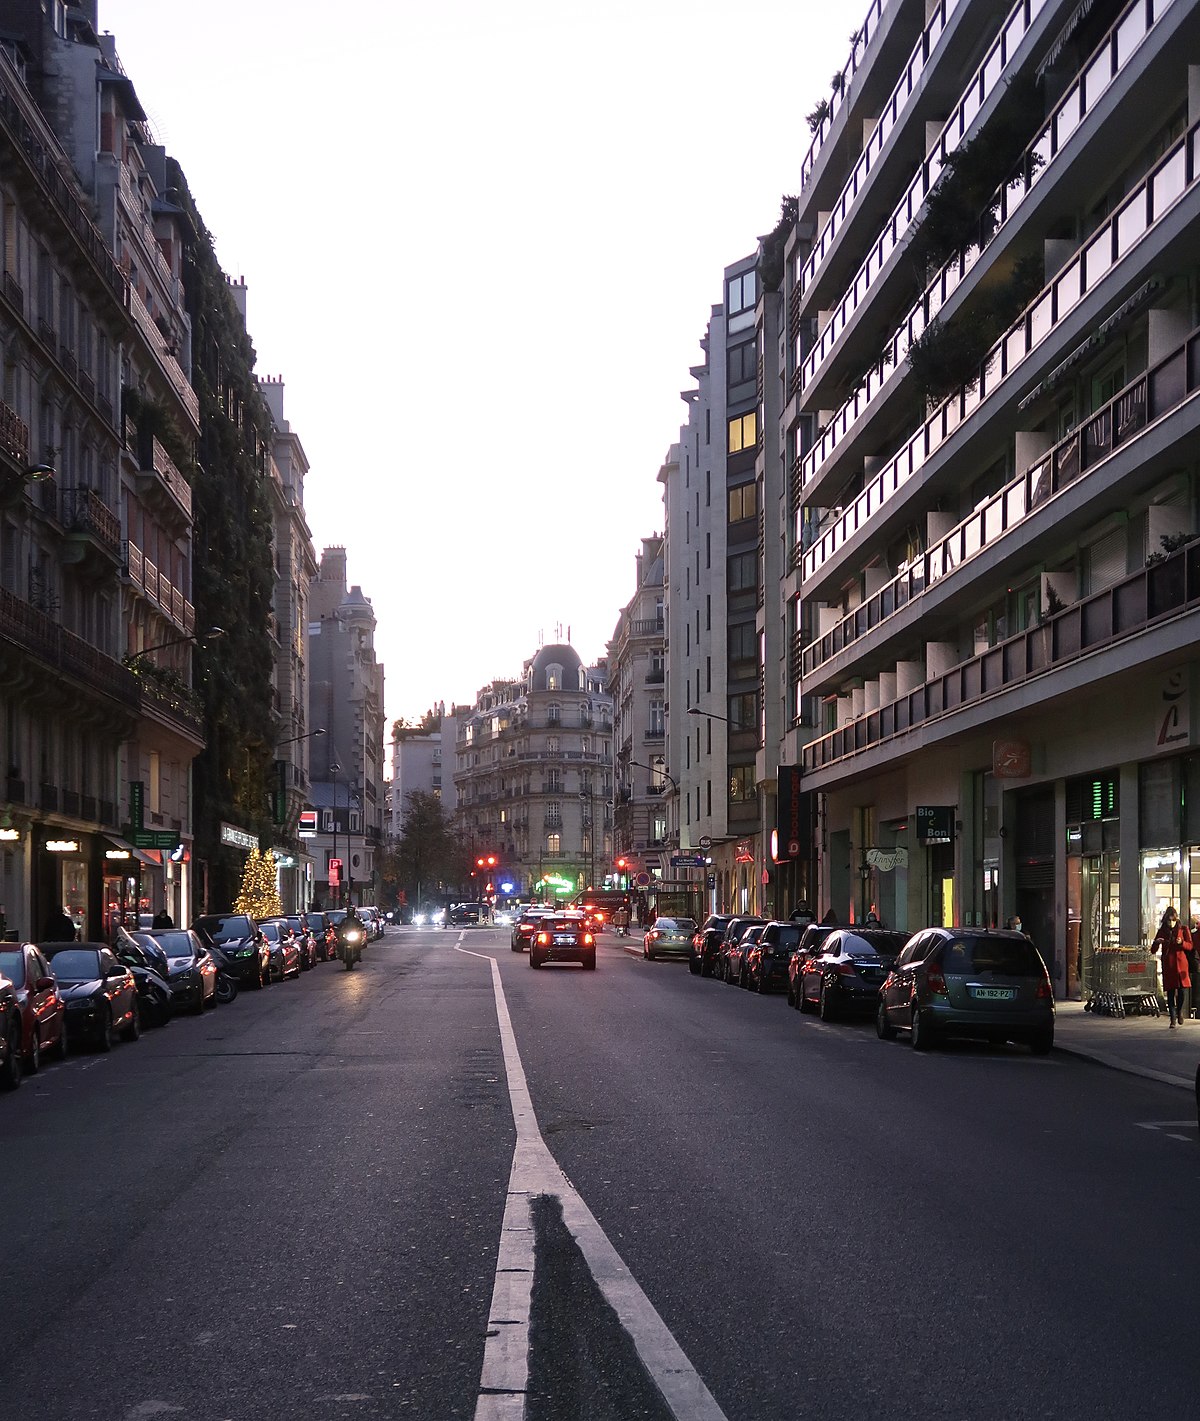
x,y
157,470
86,516
1146,207
1164,388
840,90
14,435
1095,79
1146,598
171,367
44,639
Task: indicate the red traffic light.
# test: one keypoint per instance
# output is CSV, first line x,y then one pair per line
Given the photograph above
x,y
486,861
622,864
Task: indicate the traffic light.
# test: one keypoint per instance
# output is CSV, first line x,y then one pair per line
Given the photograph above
x,y
622,865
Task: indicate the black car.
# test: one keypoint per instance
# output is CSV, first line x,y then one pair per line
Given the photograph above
x,y
99,992
241,940
765,964
191,969
706,944
729,968
810,942
464,913
285,956
563,937
845,975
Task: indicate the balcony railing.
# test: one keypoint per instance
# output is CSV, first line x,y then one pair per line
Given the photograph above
x,y
53,645
1094,80
839,91
1172,177
160,465
84,511
171,366
1133,605
14,435
1162,389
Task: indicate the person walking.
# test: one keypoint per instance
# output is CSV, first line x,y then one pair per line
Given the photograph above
x,y
1172,943
59,927
162,919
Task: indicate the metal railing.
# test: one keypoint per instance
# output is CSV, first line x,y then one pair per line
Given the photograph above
x,y
1152,594
863,37
43,638
83,510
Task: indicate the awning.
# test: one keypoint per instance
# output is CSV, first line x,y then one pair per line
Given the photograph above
x,y
139,854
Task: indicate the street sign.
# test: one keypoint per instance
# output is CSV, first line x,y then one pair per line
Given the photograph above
x,y
935,823
642,880
687,860
151,838
705,841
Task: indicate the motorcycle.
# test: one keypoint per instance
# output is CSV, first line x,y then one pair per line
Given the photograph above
x,y
153,990
350,937
227,983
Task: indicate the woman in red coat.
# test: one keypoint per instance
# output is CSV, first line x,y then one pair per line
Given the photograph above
x,y
1174,943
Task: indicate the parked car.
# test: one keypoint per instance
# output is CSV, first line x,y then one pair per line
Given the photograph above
x,y
844,975
39,1004
12,1062
706,944
525,927
563,937
319,926
765,965
305,943
144,958
669,937
811,939
241,940
191,968
99,993
730,969
283,949
968,982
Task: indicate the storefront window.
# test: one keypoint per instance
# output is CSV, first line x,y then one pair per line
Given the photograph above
x,y
1160,887
75,883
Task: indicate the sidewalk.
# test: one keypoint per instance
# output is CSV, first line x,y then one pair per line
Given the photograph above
x,y
1141,1045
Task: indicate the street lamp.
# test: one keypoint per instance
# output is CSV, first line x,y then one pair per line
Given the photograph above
x,y
291,740
656,770
588,796
210,635
710,715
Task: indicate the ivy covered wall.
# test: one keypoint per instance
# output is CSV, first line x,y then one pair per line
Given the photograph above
x,y
233,570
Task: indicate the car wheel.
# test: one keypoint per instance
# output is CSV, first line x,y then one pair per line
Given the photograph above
x,y
535,958
33,1062
134,1029
801,1000
706,968
693,967
107,1038
589,962
11,1071
826,1006
922,1032
198,1009
791,994
62,1045
649,955
883,1027
1041,1043
516,946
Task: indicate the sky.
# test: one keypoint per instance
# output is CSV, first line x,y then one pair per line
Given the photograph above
x,y
482,240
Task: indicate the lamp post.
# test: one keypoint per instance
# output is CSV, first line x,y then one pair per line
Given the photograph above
x,y
712,715
335,770
588,796
211,634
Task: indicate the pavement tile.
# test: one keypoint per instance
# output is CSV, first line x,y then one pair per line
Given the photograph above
x,y
1141,1045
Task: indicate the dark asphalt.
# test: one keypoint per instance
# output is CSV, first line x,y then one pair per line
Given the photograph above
x,y
291,1206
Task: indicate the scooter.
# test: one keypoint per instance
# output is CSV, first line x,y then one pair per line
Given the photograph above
x,y
352,946
227,983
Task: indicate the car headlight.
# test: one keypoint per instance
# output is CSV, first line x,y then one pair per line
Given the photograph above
x,y
245,952
82,1004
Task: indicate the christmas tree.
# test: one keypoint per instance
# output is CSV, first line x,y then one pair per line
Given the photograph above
x,y
259,896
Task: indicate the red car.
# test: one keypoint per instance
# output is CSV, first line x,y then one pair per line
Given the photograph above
x,y
43,1015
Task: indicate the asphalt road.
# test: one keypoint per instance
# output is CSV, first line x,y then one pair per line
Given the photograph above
x,y
291,1207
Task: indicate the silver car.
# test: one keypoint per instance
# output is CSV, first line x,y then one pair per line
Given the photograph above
x,y
669,937
968,982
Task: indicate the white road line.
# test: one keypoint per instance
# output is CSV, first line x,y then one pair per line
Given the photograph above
x,y
505,1375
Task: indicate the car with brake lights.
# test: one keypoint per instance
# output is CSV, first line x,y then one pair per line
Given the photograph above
x,y
843,976
525,928
669,937
563,937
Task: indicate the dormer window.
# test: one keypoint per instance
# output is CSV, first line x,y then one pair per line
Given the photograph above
x,y
554,678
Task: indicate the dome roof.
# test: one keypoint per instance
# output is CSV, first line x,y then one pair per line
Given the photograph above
x,y
563,656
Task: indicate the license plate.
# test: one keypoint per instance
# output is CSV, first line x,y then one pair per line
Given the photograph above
x,y
994,994
563,940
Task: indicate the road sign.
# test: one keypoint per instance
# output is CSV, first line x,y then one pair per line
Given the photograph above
x,y
687,860
642,880
151,838
705,842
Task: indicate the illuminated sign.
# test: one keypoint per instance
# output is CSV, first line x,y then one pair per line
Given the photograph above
x,y
237,837
9,836
117,854
306,826
62,846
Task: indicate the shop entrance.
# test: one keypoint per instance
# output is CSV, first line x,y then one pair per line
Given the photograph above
x,y
1093,916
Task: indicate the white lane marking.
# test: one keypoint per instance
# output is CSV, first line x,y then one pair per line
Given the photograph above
x,y
1168,1128
505,1374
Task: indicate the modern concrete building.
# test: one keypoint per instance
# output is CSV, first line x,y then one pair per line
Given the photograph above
x,y
346,698
989,431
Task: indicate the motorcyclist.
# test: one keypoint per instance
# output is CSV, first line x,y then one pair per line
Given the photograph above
x,y
351,924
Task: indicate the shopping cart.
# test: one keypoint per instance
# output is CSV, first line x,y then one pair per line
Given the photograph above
x,y
1126,983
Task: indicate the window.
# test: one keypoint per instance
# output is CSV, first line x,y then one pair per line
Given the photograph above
x,y
741,293
658,723
742,366
551,744
742,575
553,714
554,678
554,843
327,821
743,432
741,784
743,645
742,502
743,711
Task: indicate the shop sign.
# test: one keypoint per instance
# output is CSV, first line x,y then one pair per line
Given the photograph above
x,y
62,846
1011,759
117,854
935,824
744,853
137,803
150,838
1174,716
887,860
306,826
238,838
9,836
793,816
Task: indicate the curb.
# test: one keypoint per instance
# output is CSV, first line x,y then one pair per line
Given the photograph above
x,y
1118,1063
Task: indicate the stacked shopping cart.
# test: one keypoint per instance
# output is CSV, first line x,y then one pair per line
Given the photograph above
x,y
1125,983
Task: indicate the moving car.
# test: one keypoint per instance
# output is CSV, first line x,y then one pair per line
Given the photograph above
x,y
43,1015
191,968
968,982
766,959
563,937
706,944
669,937
844,975
462,914
99,993
525,928
240,938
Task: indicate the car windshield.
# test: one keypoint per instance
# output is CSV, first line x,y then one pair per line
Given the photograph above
x,y
873,944
76,964
1006,956
229,929
787,936
174,944
12,966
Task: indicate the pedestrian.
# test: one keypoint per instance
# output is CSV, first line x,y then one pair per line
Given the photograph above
x,y
1172,943
162,919
872,920
1014,923
60,927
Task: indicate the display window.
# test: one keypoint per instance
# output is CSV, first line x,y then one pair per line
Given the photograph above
x,y
74,894
1161,887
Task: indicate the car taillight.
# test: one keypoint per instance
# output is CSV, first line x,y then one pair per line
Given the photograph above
x,y
543,938
935,983
588,940
845,969
1044,990
653,932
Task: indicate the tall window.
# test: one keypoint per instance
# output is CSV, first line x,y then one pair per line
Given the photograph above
x,y
743,711
741,364
658,723
743,502
743,645
743,572
554,843
741,293
741,784
743,432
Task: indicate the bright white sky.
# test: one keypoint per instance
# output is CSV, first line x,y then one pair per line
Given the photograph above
x,y
481,240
